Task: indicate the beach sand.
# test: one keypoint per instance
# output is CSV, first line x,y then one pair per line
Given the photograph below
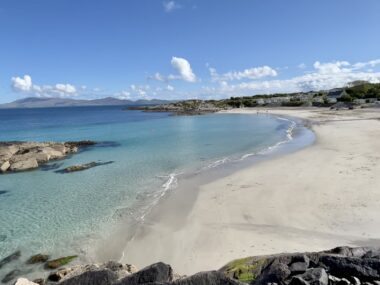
x,y
319,197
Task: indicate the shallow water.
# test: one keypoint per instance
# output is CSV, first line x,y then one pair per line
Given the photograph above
x,y
46,211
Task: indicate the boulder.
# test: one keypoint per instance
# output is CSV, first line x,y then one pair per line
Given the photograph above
x,y
299,264
313,276
158,272
275,272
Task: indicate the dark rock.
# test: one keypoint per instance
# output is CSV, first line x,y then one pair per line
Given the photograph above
x,y
314,276
344,267
207,278
38,258
11,275
158,272
98,277
275,272
83,143
299,264
54,264
14,256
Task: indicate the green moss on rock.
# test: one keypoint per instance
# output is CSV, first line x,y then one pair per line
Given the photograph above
x,y
245,270
54,264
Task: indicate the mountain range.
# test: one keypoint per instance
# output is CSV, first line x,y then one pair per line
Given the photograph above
x,y
34,102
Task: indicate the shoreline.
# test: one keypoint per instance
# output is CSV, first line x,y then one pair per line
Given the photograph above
x,y
125,230
249,213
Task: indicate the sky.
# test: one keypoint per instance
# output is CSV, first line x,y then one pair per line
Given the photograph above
x,y
181,49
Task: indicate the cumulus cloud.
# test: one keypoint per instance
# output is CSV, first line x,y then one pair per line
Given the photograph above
x,y
250,73
183,68
170,6
24,84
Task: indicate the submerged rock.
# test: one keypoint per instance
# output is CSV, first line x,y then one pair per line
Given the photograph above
x,y
14,256
11,275
38,258
56,263
81,167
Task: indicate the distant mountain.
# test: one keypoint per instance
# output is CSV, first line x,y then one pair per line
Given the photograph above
x,y
33,102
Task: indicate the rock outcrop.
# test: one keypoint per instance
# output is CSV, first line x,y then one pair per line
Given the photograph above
x,y
22,156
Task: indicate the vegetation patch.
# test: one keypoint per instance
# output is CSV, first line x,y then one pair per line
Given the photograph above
x,y
245,270
54,264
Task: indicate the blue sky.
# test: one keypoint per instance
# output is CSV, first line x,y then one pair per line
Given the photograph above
x,y
184,48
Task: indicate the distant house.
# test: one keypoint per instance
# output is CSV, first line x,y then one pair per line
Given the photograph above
x,y
318,99
359,101
260,101
336,93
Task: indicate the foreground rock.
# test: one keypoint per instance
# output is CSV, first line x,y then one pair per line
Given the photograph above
x,y
22,156
339,266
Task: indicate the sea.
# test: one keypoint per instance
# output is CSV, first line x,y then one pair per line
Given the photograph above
x,y
46,211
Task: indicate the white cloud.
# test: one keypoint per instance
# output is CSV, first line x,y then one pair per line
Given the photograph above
x,y
24,84
324,76
250,73
332,67
169,88
170,6
183,68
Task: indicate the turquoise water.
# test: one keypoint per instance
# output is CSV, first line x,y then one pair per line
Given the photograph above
x,y
45,211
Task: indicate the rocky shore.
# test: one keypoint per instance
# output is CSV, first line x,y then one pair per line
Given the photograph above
x,y
22,156
338,266
185,108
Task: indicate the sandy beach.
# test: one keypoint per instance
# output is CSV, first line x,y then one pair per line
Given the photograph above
x,y
319,197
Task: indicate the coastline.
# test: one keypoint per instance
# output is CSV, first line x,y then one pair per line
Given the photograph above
x,y
307,200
